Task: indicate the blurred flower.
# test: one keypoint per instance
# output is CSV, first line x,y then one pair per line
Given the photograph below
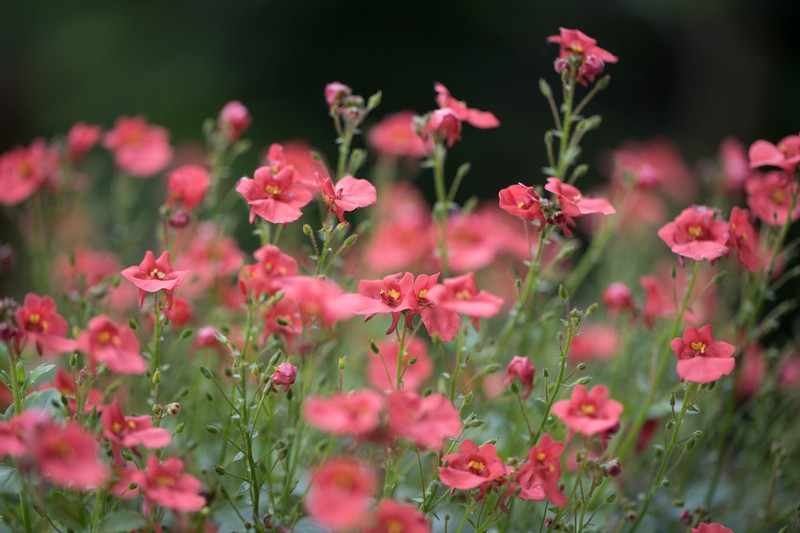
x,y
382,369
744,239
770,196
140,149
355,413
38,322
180,313
81,138
335,93
164,484
711,528
474,117
68,457
64,382
786,154
423,421
595,341
701,359
520,368
116,346
735,165
340,493
396,136
23,171
588,413
186,186
618,297
395,517
285,375
443,125
233,120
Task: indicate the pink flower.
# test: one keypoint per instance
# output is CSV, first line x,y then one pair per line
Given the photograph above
x,y
116,346
233,120
701,359
396,136
618,298
285,375
180,313
538,477
335,93
576,44
744,239
68,457
520,368
382,369
770,196
319,299
272,193
154,275
423,421
38,321
437,319
163,484
444,125
85,268
389,295
472,467
573,204
356,413
186,186
460,294
348,195
472,240
266,276
81,138
588,414
132,431
706,527
596,341
340,493
656,162
395,517
735,165
696,234
302,157
475,117
22,430
140,149
211,256
523,202
786,154
23,171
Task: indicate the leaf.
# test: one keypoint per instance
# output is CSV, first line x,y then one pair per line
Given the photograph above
x,y
9,484
123,520
47,400
36,374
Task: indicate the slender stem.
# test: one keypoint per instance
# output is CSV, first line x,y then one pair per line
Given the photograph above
x,y
566,125
525,417
562,366
400,349
441,207
19,403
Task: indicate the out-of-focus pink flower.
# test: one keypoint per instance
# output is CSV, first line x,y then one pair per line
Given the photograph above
x,y
20,431
154,275
443,125
423,421
521,201
538,477
588,413
789,373
163,484
23,171
132,431
140,149
701,359
460,294
735,165
696,234
68,457
285,375
744,239
474,117
356,413
751,373
706,527
81,138
301,156
656,162
116,346
473,467
396,136
211,256
85,268
186,186
770,196
234,119
396,517
335,93
595,341
340,493
319,299
180,313
520,368
283,318
273,193
348,195
786,154
575,43
389,295
382,369
38,322
618,298
472,240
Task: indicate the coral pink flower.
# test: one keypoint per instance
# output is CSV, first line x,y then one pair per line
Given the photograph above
x,y
211,256
20,431
186,186
713,527
340,493
735,166
701,359
596,341
181,312
696,234
273,193
38,321
744,239
319,299
522,201
382,369
389,295
23,171
588,413
423,421
140,149
85,268
154,275
132,431
81,138
460,294
285,375
356,413
575,43
396,136
163,484
395,517
348,195
335,93
770,196
573,204
538,477
305,162
438,320
475,117
444,125
786,154
472,467
520,368
233,120
116,346
751,375
283,318
68,457
472,240
655,162
618,298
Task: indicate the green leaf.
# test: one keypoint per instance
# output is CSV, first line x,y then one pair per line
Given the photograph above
x,y
48,400
36,374
9,484
123,520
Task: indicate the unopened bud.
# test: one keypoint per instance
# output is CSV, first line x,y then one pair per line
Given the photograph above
x,y
173,408
308,230
581,366
219,470
342,362
133,324
179,428
613,468
212,429
206,373
157,377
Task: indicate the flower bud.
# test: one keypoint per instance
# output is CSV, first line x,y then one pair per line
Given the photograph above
x,y
173,409
613,468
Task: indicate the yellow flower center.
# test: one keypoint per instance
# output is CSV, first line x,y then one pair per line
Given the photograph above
x,y
695,231
394,526
34,318
463,295
421,294
699,347
156,273
394,294
116,427
165,481
541,456
272,189
778,196
578,49
476,465
103,337
588,409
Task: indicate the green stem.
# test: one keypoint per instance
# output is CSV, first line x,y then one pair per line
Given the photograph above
x,y
566,125
19,404
562,366
441,207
